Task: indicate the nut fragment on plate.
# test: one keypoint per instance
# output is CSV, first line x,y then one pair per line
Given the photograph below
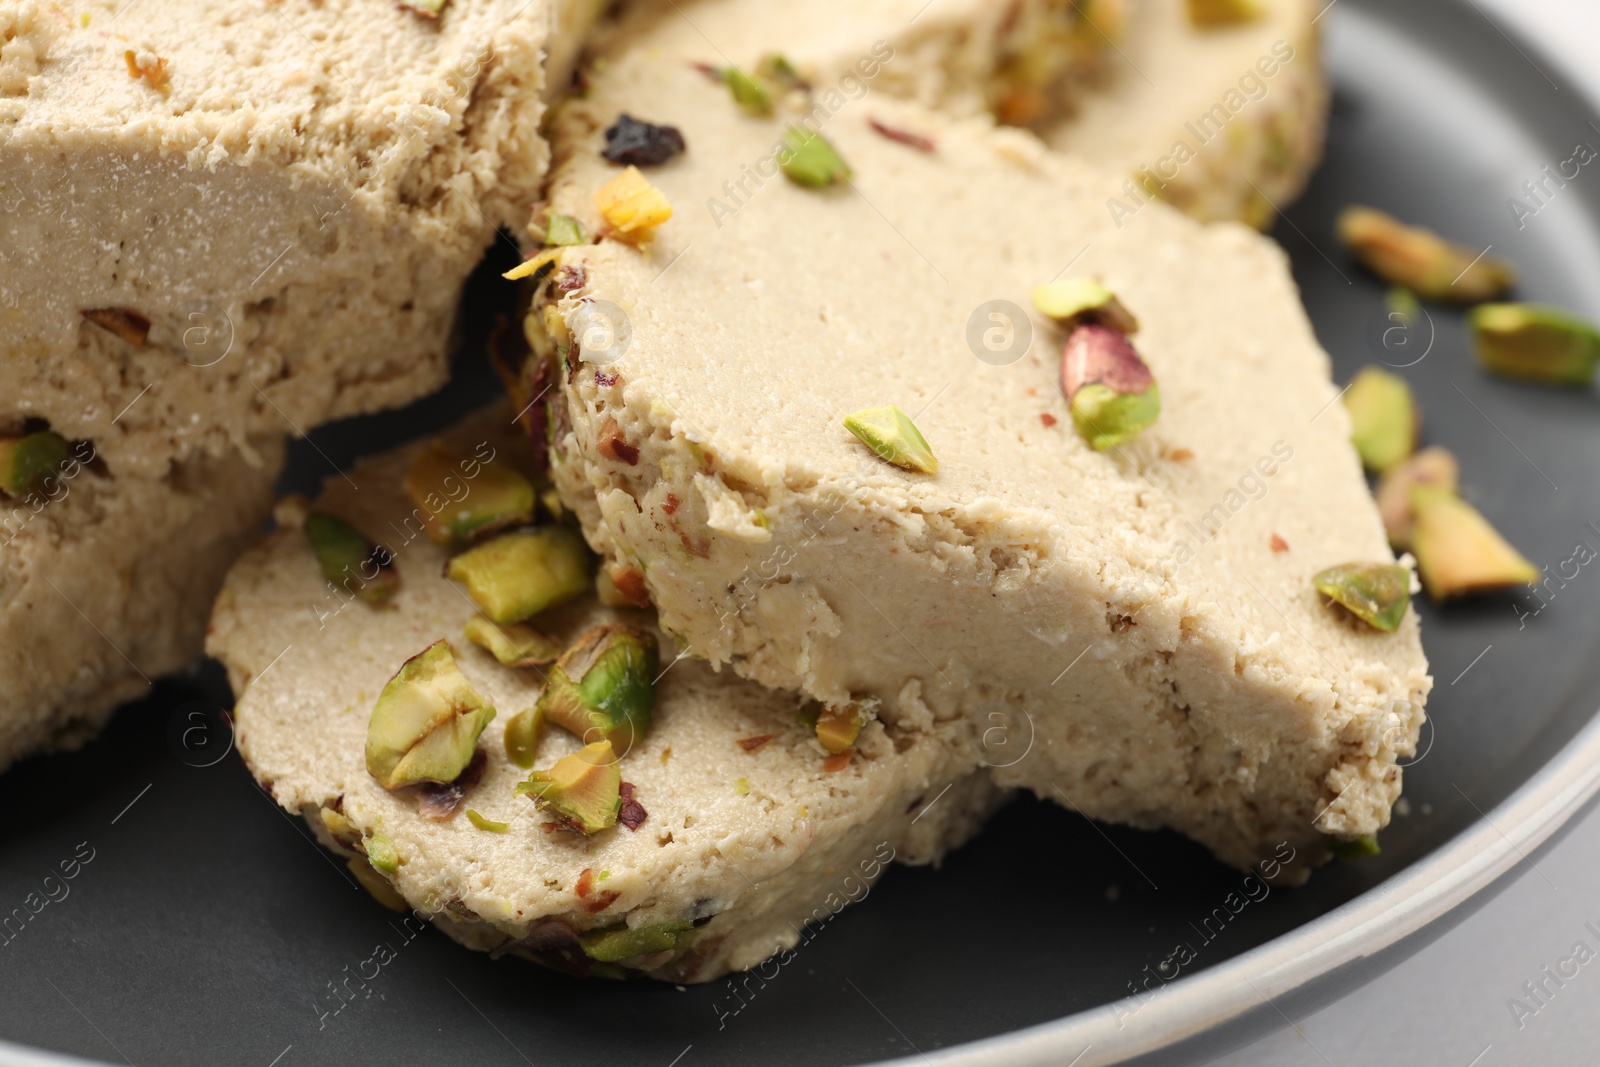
x,y
1385,421
1458,552
1434,466
1421,260
1534,343
349,561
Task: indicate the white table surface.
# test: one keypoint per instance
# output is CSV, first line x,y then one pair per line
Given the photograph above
x,y
1450,1005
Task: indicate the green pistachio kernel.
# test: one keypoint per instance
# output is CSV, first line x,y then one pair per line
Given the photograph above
x,y
1376,593
811,160
1080,300
522,736
1384,423
563,230
485,823
349,560
425,725
1355,849
382,855
890,433
616,943
29,462
461,497
604,686
585,788
1106,418
1458,552
519,574
751,96
513,644
1535,343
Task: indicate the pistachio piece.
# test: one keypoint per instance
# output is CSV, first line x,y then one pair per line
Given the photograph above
x,y
126,323
513,644
1355,848
1403,306
632,206
425,725
381,854
425,8
1432,466
1375,593
485,823
29,463
774,69
1384,419
604,686
563,230
584,789
376,884
752,97
1458,552
461,497
614,944
341,828
890,433
1421,260
1534,343
522,736
1207,13
809,159
519,574
643,144
349,561
1111,392
1083,300
838,727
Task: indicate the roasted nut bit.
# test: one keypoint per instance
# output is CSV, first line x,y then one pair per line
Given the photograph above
x,y
1458,552
584,789
1384,422
1112,394
514,644
29,463
632,206
617,943
1432,466
1375,593
563,230
642,144
1537,344
522,737
461,497
1421,260
838,727
426,723
603,687
1207,13
809,159
890,433
519,574
1355,848
1077,301
349,561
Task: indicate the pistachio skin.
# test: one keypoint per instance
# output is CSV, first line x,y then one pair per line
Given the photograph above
x,y
1431,466
1109,388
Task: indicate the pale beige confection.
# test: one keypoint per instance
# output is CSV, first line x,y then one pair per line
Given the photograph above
x,y
1225,122
273,206
758,842
105,584
1122,616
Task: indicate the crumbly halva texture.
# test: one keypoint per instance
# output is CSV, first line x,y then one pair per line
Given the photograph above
x,y
1121,615
749,841
1222,122
105,583
229,221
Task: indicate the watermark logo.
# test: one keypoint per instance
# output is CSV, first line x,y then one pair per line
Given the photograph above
x,y
999,332
200,733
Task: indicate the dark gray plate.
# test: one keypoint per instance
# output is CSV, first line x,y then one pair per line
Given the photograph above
x,y
208,928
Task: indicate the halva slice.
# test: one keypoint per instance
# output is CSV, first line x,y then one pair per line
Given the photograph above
x,y
702,841
1113,593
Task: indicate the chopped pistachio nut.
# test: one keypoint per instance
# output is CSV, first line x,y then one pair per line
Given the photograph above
x,y
776,70
741,786
519,574
584,788
29,462
522,736
426,8
752,97
381,854
1432,466
344,555
1458,552
1534,343
563,230
603,687
838,727
513,644
1384,423
632,206
1402,304
617,943
1354,849
340,827
1109,388
890,433
484,823
1207,13
376,884
1421,260
425,725
461,497
809,159
1376,593
1081,300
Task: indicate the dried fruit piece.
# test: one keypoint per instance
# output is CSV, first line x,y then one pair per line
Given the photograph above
x,y
838,761
1458,552
1421,260
890,433
31,462
632,206
632,813
349,560
1111,392
484,823
642,144
1535,343
838,727
617,943
461,497
126,323
604,686
1376,593
809,159
425,725
1077,301
522,736
519,574
563,230
1432,466
1384,419
585,788
1208,13
514,644
1355,848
